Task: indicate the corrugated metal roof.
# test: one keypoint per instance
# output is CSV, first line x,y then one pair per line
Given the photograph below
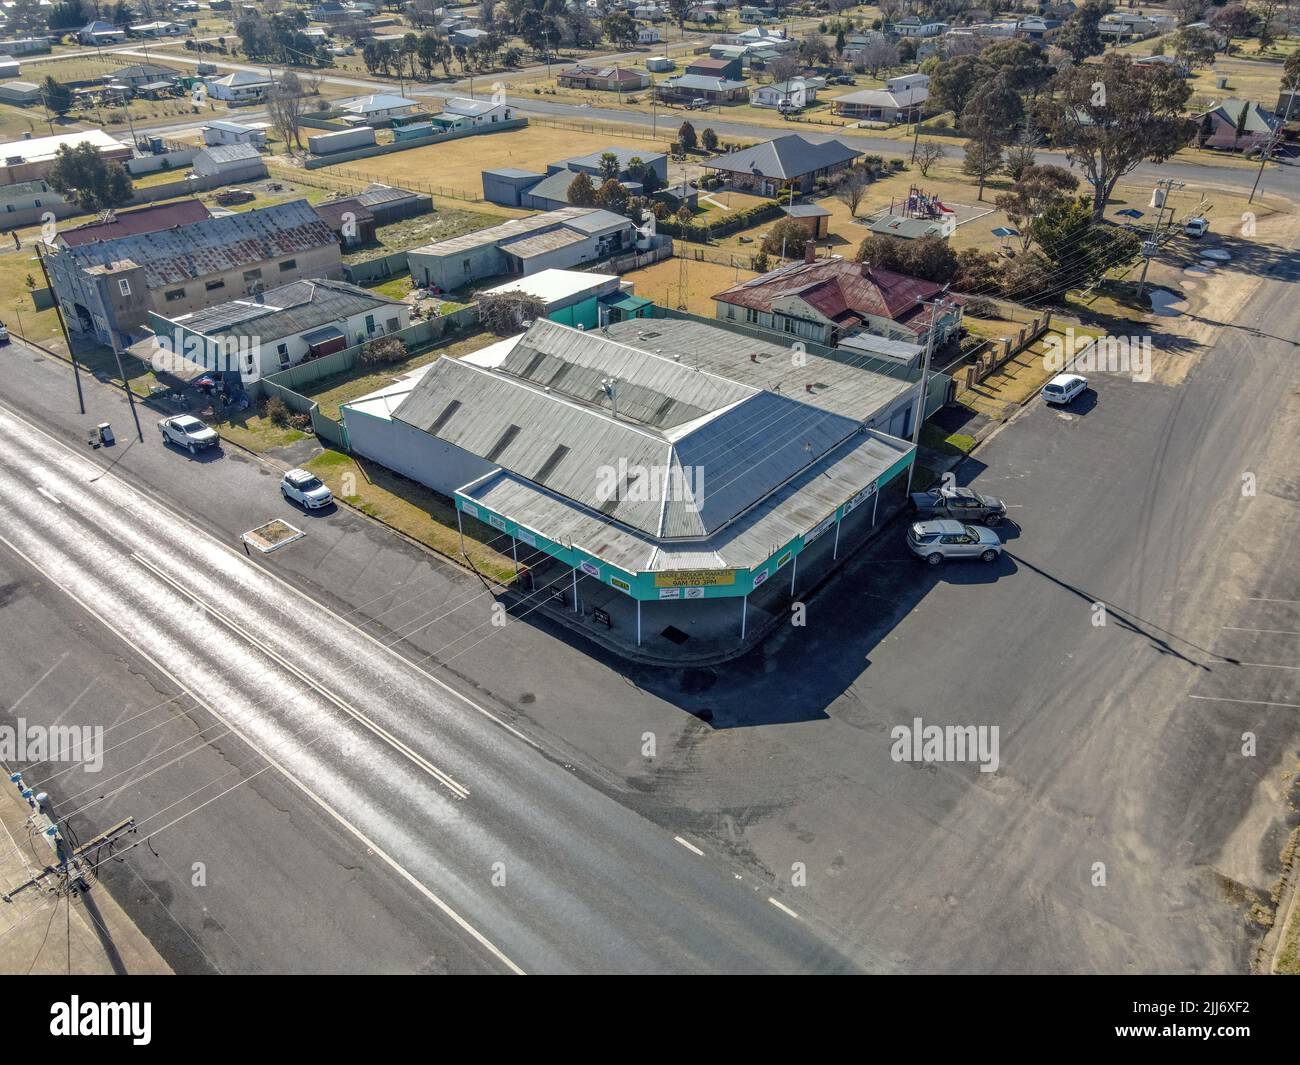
x,y
542,243
712,448
585,218
285,311
213,245
855,386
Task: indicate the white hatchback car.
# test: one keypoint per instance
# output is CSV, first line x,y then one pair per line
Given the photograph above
x,y
305,489
1064,387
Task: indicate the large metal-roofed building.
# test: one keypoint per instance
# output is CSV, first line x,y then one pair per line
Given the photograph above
x,y
668,459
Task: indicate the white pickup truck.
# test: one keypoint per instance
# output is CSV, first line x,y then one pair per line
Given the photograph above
x,y
185,430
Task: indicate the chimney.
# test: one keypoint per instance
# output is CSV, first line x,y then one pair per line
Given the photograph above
x,y
753,357
807,388
866,268
810,252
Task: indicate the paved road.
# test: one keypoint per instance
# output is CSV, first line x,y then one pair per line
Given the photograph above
x,y
1282,178
446,795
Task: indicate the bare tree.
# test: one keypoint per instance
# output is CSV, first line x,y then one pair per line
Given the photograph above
x,y
879,54
852,186
927,154
286,106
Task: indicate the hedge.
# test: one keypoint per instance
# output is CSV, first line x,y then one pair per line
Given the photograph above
x,y
703,234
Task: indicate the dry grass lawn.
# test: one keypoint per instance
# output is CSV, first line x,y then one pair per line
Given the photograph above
x,y
660,283
457,165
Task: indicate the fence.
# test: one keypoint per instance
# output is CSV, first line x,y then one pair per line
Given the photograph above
x,y
996,353
414,142
286,384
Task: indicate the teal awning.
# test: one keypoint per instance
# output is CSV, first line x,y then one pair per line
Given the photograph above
x,y
629,304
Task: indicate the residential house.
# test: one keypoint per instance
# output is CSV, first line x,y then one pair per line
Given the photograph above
x,y
107,288
785,164
28,160
240,88
138,75
1125,26
98,33
827,300
1040,28
462,113
379,107
648,35
280,327
222,132
1225,117
914,26
158,28
796,93
686,88
608,79
901,100
556,239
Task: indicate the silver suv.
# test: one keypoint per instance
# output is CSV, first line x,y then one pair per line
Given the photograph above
x,y
936,541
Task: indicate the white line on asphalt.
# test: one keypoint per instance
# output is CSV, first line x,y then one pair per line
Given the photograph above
x,y
1267,665
689,846
461,922
1264,599
177,516
49,495
459,790
782,907
1254,702
1279,632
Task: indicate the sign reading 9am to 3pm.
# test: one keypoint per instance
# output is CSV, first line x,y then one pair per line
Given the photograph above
x,y
695,578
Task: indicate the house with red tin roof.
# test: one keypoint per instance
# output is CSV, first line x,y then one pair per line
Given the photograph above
x,y
826,300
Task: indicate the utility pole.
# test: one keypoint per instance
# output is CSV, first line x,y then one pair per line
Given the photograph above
x,y
1150,247
916,135
1273,139
58,313
919,418
126,385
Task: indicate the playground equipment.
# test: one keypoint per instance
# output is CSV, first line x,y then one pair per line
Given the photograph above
x,y
920,204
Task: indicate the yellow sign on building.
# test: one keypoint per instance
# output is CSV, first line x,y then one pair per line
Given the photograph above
x,y
695,578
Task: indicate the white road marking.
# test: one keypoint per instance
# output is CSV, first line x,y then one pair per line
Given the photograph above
x,y
1263,599
1267,665
689,846
1278,632
782,907
1254,702
419,886
459,790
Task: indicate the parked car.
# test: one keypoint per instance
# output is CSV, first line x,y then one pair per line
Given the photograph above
x,y
1064,387
698,104
959,503
1196,227
305,489
937,541
185,430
